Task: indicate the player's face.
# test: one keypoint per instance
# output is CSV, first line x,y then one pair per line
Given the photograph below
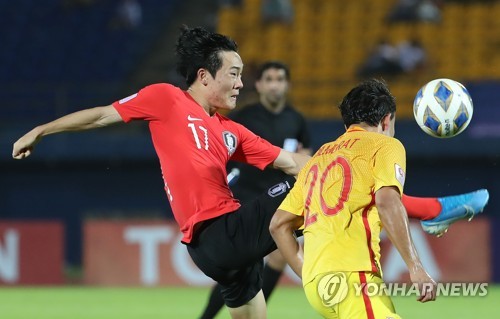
x,y
225,87
272,86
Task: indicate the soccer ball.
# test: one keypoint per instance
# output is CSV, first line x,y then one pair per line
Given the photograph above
x,y
443,108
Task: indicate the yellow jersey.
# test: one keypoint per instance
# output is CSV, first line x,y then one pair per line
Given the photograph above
x,y
335,192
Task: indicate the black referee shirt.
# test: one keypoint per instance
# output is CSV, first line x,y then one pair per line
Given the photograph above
x,y
289,125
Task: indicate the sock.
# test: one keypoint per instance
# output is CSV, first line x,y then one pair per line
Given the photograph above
x,y
422,208
270,278
215,303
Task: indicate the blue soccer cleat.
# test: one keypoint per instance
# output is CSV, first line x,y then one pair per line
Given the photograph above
x,y
454,208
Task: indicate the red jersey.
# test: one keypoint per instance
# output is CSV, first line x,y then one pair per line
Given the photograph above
x,y
194,149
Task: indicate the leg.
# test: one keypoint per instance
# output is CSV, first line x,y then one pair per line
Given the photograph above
x,y
230,249
437,214
275,264
215,303
254,309
240,287
349,299
422,208
273,268
360,303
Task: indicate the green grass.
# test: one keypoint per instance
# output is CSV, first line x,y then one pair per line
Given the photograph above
x,y
179,303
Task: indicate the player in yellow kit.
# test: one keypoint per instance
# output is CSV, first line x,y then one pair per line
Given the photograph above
x,y
342,197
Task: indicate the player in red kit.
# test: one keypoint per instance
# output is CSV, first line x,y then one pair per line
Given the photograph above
x,y
194,143
194,147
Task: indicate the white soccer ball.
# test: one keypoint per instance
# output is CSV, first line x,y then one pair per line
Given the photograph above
x,y
443,108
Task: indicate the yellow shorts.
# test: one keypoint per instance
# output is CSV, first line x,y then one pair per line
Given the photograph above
x,y
349,295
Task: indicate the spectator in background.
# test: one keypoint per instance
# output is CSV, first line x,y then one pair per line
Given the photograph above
x,y
389,60
277,11
128,15
383,60
415,11
428,11
403,11
411,55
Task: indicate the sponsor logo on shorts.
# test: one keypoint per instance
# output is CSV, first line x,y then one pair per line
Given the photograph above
x,y
332,288
278,189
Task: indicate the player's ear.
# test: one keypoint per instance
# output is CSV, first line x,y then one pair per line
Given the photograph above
x,y
386,122
202,75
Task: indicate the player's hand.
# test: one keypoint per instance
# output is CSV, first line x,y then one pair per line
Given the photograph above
x,y
24,146
426,285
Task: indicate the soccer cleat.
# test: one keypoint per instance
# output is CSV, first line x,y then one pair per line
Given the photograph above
x,y
454,208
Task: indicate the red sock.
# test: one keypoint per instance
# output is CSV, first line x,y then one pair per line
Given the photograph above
x,y
422,208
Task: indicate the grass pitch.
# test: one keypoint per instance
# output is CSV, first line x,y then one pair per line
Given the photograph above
x,y
178,303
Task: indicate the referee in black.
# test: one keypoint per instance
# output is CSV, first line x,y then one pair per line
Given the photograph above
x,y
275,120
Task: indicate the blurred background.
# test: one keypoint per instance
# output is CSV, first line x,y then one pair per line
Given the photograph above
x,y
59,56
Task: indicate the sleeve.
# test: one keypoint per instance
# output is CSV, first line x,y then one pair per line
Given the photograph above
x,y
294,202
390,165
150,103
253,149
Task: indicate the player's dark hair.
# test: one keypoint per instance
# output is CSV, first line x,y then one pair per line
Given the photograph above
x,y
368,102
197,49
273,65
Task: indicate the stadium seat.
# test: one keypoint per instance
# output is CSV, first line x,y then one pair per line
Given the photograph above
x,y
329,39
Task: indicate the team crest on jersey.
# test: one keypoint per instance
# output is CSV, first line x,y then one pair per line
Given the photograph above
x,y
278,189
230,141
400,174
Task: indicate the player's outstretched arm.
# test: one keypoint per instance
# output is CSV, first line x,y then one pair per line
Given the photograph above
x,y
290,163
282,227
81,120
395,222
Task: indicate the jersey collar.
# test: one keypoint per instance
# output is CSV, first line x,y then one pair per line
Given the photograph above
x,y
355,129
